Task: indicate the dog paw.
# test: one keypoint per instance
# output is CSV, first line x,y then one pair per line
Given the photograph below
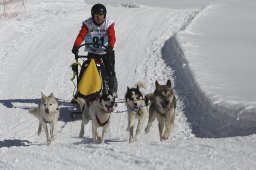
x,y
132,140
147,129
48,142
81,134
102,141
99,138
165,137
53,138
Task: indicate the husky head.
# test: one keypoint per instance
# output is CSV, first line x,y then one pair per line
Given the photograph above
x,y
163,94
49,104
107,101
134,98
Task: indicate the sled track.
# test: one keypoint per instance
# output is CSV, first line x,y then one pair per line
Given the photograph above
x,y
206,118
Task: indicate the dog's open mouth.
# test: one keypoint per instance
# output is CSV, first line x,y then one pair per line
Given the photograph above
x,y
136,107
164,105
110,108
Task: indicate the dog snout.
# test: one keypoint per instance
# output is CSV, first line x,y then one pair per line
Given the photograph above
x,y
166,102
47,111
135,104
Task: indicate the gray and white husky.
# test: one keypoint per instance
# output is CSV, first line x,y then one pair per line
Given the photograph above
x,y
137,109
99,111
162,107
47,112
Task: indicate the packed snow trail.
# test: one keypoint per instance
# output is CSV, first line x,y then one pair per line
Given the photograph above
x,y
41,59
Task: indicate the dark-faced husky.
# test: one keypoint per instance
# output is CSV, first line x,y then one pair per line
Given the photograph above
x,y
137,109
162,107
99,111
47,112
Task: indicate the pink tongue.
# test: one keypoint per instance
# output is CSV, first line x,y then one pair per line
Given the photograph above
x,y
110,109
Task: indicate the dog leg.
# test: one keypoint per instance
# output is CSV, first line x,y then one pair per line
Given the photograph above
x,y
104,130
169,125
94,132
151,119
131,122
161,128
83,123
53,131
44,125
99,137
140,125
39,129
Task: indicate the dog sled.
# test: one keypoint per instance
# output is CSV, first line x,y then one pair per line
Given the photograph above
x,y
91,78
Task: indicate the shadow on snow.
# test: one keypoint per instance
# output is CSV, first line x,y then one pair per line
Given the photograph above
x,y
65,106
14,142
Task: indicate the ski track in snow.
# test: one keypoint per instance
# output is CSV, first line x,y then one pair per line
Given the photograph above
x,y
37,56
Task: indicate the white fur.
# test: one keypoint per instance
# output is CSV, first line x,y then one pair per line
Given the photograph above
x,y
97,108
141,113
47,112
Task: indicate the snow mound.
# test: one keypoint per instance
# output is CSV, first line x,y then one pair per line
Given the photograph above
x,y
129,5
207,118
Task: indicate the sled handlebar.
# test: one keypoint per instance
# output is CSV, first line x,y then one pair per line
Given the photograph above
x,y
87,44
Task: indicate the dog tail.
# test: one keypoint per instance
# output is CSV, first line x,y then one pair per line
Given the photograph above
x,y
141,85
34,112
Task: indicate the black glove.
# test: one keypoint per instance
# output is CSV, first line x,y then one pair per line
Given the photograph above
x,y
75,68
75,50
109,49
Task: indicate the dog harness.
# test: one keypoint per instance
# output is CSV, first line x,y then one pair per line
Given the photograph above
x,y
102,124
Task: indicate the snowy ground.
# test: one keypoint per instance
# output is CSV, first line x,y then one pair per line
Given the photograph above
x,y
180,41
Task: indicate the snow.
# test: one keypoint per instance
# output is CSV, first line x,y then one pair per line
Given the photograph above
x,y
206,48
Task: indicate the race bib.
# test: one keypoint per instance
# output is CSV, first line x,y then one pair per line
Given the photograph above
x,y
97,36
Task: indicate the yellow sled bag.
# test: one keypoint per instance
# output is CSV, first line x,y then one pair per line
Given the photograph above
x,y
91,82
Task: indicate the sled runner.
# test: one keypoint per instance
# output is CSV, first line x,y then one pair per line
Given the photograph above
x,y
91,78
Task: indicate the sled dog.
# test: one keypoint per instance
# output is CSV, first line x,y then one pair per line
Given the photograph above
x,y
99,111
47,112
137,109
162,107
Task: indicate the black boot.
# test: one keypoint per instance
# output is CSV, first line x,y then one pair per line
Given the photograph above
x,y
113,85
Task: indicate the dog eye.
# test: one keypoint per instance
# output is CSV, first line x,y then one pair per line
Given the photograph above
x,y
130,98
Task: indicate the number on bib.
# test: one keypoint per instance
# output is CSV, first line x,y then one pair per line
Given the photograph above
x,y
97,41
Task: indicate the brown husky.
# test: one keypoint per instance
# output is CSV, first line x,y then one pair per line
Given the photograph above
x,y
162,107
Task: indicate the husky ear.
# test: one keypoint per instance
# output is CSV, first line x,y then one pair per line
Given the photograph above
x,y
169,83
157,84
42,94
128,88
51,95
138,87
43,97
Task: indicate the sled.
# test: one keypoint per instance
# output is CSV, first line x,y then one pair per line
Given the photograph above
x,y
91,79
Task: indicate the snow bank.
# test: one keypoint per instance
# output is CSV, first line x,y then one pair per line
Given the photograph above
x,y
207,118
